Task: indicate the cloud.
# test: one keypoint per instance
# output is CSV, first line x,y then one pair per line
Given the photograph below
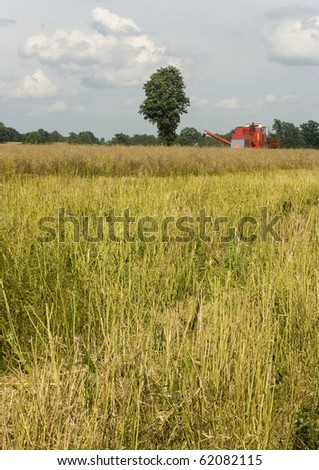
x,y
271,98
293,11
257,105
199,102
293,39
6,22
57,106
37,85
131,102
7,79
229,103
112,77
145,49
279,99
124,58
70,50
104,20
79,108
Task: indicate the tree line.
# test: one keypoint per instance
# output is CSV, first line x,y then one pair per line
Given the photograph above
x,y
290,136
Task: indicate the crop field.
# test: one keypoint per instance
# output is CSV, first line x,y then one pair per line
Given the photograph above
x,y
159,298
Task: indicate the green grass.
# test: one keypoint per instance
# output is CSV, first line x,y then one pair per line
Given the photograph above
x,y
160,345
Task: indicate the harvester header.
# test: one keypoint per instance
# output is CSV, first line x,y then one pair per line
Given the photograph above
x,y
248,136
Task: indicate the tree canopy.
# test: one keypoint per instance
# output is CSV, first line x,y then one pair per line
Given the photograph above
x,y
310,134
3,133
289,135
165,102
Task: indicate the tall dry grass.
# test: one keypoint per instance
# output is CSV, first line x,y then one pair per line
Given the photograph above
x,y
160,345
81,160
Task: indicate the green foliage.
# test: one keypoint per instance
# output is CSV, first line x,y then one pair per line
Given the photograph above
x,y
84,138
14,135
120,139
307,135
3,133
32,137
37,137
72,139
288,134
144,139
307,428
165,102
87,137
310,134
189,136
137,139
55,136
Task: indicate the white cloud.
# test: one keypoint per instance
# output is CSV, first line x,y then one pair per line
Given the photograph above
x,y
145,49
57,106
99,77
258,104
37,85
271,98
279,99
79,108
124,58
104,20
294,41
199,102
131,102
73,50
229,103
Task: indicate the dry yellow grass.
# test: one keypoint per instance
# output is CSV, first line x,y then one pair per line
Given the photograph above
x,y
158,345
64,159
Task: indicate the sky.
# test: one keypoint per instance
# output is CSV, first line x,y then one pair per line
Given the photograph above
x,y
75,65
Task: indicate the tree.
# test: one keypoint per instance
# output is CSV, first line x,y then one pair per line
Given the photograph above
x,y
33,137
55,136
189,136
288,134
120,139
165,102
44,136
73,138
143,139
87,137
37,137
310,133
3,133
14,135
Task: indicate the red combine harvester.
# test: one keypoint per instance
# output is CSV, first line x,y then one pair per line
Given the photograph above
x,y
249,136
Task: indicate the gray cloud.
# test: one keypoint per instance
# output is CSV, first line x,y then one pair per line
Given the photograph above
x,y
294,11
292,36
7,78
6,22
